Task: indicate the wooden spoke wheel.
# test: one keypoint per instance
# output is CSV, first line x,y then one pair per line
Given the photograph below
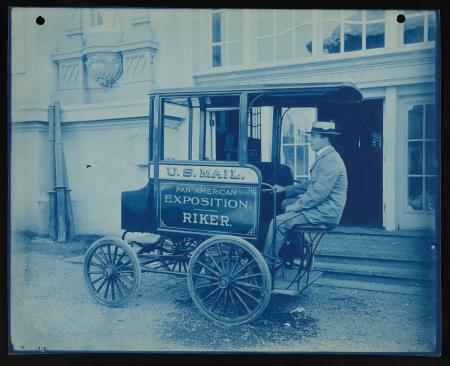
x,y
112,271
229,280
178,251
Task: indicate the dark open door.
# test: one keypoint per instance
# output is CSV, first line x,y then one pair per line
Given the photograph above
x,y
361,148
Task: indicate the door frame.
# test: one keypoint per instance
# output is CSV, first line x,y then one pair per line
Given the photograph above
x,y
407,218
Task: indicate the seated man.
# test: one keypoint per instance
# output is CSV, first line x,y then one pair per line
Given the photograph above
x,y
324,195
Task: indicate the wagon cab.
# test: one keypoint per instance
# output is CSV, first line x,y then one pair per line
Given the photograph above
x,y
215,155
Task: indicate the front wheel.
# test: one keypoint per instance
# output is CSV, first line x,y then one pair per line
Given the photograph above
x,y
229,280
112,271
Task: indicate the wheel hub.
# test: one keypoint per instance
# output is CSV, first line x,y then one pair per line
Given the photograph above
x,y
224,282
107,272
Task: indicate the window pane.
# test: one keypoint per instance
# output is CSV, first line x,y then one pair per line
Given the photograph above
x,y
430,158
331,15
374,14
235,53
265,52
430,121
354,15
432,27
303,41
353,37
431,193
235,22
375,35
413,32
216,26
288,156
331,37
415,158
288,132
302,161
217,56
283,20
264,23
302,17
284,46
415,122
415,197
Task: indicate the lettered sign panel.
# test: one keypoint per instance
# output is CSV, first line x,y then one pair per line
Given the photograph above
x,y
218,200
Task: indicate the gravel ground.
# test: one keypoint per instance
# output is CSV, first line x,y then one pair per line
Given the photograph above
x,y
51,310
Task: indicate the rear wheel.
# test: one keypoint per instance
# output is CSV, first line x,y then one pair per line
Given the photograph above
x,y
229,280
112,271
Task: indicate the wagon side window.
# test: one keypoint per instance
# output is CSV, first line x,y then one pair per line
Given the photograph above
x,y
180,129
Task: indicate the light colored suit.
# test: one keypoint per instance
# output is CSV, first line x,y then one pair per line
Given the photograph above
x,y
326,192
320,200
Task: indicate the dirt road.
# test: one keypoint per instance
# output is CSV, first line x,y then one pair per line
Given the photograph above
x,y
51,310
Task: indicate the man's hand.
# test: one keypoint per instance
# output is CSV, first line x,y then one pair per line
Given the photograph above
x,y
279,188
290,207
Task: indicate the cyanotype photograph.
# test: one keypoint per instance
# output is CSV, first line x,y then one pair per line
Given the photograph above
x,y
224,180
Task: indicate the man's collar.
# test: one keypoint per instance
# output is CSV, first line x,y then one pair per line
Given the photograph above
x,y
322,150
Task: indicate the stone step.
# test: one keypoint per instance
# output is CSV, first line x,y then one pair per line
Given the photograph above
x,y
375,267
405,248
374,283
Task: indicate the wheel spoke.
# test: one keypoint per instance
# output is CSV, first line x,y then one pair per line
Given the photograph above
x,y
220,255
118,287
248,276
211,293
119,280
208,285
234,304
101,285
116,248
214,261
204,276
237,262
207,267
184,266
95,272
248,264
120,258
248,285
246,293
109,254
242,301
126,279
113,294
100,260
96,280
217,300
107,289
123,265
104,255
97,265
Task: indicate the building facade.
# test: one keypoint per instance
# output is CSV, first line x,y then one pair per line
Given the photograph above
x,y
100,64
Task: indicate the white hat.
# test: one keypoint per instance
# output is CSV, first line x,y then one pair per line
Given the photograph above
x,y
322,127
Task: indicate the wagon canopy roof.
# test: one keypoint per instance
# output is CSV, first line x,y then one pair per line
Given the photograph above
x,y
270,94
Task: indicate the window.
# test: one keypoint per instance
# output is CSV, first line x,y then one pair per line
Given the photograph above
x,y
422,164
419,26
227,37
283,34
295,150
352,30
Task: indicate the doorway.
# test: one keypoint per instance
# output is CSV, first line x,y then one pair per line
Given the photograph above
x,y
361,148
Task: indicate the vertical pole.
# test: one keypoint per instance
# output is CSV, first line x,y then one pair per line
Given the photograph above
x,y
243,138
69,210
60,188
190,130
202,139
52,178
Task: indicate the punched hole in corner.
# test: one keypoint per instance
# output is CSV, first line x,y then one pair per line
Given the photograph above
x,y
40,20
401,18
